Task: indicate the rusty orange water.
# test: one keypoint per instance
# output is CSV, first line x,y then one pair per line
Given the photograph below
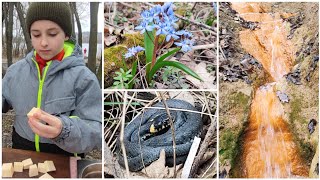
x,y
269,149
268,43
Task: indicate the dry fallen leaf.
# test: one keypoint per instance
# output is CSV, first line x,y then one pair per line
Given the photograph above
x,y
158,168
110,40
200,69
184,95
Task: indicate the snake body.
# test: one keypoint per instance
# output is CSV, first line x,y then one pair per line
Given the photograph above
x,y
187,125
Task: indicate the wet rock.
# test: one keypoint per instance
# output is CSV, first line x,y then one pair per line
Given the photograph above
x,y
223,174
283,97
294,77
311,125
248,62
233,73
312,67
296,22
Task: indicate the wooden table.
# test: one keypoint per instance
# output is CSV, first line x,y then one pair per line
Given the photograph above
x,y
61,162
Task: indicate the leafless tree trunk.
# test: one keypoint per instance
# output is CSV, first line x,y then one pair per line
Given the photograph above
x,y
72,20
93,36
4,24
9,29
27,38
99,73
75,12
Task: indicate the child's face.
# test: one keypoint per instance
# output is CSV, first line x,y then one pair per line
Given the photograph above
x,y
47,38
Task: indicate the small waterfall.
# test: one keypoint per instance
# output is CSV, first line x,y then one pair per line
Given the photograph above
x,y
269,150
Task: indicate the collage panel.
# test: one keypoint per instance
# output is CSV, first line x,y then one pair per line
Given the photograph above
x,y
165,45
160,134
51,90
268,90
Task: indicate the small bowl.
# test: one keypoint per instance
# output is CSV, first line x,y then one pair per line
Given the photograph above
x,y
92,171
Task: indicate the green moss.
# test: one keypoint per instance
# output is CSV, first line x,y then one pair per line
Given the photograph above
x,y
296,119
239,99
295,114
227,145
113,58
134,39
229,137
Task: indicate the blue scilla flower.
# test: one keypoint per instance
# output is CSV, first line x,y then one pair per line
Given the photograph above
x,y
145,25
171,34
156,10
147,16
133,51
185,45
162,28
170,20
165,8
184,33
215,8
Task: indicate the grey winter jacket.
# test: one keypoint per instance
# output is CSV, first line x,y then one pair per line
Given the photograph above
x,y
69,91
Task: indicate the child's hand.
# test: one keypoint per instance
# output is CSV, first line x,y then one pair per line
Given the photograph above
x,y
51,130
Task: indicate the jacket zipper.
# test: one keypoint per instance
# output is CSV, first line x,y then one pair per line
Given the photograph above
x,y
39,98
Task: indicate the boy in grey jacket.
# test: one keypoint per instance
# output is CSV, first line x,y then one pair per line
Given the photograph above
x,y
54,78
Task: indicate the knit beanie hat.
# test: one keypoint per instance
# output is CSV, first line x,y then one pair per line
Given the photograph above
x,y
58,12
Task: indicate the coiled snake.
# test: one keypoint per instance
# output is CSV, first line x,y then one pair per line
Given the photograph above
x,y
187,125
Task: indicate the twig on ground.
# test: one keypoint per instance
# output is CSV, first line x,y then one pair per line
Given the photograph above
x,y
173,133
129,5
194,6
223,55
206,46
114,12
123,148
204,146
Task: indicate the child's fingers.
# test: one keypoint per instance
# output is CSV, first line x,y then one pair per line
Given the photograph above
x,y
43,130
48,118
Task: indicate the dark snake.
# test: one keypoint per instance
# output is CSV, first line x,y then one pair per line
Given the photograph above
x,y
187,125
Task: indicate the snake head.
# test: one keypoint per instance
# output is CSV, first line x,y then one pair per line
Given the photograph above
x,y
160,123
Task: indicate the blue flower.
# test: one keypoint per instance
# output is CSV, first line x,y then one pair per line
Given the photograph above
x,y
144,25
162,28
171,34
184,33
133,51
166,7
185,45
215,7
170,20
156,10
147,16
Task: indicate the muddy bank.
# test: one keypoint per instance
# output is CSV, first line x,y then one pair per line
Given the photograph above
x,y
241,71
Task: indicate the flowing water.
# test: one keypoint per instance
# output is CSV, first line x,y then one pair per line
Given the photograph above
x,y
269,149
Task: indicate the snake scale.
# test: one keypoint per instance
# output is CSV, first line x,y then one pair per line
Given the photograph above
x,y
187,125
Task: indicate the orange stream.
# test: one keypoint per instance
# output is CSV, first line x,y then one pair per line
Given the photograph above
x,y
269,149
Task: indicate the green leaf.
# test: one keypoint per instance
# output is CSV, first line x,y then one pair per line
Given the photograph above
x,y
149,47
116,83
125,79
163,57
134,71
176,64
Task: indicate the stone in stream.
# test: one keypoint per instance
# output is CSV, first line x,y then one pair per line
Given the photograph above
x,y
283,97
294,77
311,125
312,67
